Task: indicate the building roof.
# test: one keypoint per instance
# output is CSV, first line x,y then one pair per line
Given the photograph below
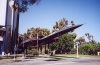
x,y
1,26
2,29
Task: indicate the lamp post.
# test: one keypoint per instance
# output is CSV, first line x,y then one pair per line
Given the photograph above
x,y
77,50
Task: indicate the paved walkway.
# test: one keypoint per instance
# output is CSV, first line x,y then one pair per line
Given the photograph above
x,y
54,61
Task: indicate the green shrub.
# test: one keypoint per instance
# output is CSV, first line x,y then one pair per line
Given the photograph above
x,y
73,51
32,52
89,48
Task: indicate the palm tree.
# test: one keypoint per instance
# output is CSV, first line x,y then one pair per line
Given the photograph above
x,y
90,37
87,34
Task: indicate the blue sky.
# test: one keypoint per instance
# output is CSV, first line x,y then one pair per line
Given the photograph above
x,y
47,12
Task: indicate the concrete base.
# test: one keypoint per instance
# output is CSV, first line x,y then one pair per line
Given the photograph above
x,y
3,53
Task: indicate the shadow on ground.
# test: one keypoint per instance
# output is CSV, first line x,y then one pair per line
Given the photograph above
x,y
20,60
63,57
54,59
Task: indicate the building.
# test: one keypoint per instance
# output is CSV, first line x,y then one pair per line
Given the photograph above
x,y
8,23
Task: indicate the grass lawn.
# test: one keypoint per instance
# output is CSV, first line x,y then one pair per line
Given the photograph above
x,y
74,56
55,56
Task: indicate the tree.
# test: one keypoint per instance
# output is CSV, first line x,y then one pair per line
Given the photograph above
x,y
90,37
74,35
72,22
45,32
53,46
32,32
90,49
66,41
22,5
84,49
81,40
64,44
60,24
